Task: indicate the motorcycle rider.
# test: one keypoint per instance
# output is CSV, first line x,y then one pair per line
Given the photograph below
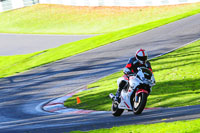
x,y
139,60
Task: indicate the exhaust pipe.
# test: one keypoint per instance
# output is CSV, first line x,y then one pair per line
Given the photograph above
x,y
111,96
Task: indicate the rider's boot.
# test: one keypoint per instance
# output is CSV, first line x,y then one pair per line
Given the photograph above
x,y
122,84
117,95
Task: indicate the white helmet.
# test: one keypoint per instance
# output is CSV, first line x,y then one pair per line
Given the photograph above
x,y
141,56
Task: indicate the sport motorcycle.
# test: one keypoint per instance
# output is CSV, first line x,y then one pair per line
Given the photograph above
x,y
134,96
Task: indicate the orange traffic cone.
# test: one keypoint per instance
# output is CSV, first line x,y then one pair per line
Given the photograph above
x,y
78,100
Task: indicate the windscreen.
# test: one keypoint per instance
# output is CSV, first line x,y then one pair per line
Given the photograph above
x,y
147,72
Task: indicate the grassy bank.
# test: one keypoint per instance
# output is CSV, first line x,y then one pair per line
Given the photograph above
x,y
191,126
60,19
19,63
177,75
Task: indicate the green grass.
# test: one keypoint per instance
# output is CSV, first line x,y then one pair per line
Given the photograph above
x,y
60,19
10,65
177,75
191,126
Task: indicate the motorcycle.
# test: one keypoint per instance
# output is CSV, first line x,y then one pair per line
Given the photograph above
x,y
134,96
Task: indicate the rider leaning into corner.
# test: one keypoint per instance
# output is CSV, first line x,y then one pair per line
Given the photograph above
x,y
139,60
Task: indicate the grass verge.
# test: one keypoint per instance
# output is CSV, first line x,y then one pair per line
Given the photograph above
x,y
177,75
19,63
61,19
191,126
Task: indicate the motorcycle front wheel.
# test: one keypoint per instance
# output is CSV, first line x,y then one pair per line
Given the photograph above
x,y
138,107
115,110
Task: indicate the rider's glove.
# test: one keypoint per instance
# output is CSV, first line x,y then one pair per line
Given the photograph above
x,y
127,71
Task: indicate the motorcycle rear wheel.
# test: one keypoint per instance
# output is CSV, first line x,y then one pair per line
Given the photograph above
x,y
115,110
138,107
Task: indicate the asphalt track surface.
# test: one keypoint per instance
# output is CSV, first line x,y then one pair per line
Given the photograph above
x,y
21,94
17,44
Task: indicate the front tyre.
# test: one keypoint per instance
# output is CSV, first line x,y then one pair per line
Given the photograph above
x,y
115,110
138,107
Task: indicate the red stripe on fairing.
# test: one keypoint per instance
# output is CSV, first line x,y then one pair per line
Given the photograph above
x,y
128,66
125,77
126,104
142,90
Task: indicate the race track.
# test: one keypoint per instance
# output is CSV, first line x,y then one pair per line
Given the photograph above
x,y
17,44
21,94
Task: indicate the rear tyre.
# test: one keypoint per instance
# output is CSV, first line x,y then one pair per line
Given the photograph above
x,y
138,107
115,110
